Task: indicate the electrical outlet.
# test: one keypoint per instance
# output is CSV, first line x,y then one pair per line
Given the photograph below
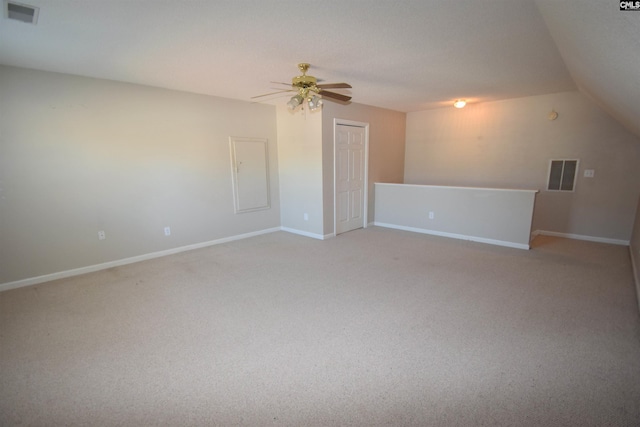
x,y
167,231
306,216
589,173
431,215
101,235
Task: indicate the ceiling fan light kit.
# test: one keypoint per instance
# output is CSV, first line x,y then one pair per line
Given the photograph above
x,y
294,102
309,90
315,102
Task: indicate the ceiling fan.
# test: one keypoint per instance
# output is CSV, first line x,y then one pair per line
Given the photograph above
x,y
309,90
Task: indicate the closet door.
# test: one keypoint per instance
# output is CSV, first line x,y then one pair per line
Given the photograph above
x,y
350,178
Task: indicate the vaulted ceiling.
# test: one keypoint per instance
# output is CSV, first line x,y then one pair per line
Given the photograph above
x,y
405,55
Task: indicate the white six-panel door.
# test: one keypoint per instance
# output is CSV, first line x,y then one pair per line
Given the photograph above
x,y
350,177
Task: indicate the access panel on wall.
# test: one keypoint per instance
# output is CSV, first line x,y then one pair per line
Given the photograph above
x,y
250,170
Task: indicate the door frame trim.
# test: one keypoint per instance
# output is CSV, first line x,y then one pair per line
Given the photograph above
x,y
365,213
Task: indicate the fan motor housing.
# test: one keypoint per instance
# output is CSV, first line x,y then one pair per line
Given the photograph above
x,y
304,81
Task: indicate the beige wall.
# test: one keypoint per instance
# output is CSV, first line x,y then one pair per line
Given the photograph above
x,y
386,150
305,158
300,163
635,251
508,144
78,155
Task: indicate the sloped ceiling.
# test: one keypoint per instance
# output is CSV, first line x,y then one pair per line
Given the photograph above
x,y
406,55
600,45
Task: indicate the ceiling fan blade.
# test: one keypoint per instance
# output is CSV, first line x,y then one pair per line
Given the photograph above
x,y
272,93
338,96
267,100
334,86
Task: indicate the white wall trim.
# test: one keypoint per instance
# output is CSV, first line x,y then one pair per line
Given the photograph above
x,y
580,237
307,233
451,187
636,273
454,235
97,267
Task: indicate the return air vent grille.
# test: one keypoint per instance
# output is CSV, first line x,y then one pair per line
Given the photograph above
x,y
22,12
562,175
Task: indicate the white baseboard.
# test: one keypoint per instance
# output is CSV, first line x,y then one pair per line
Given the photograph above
x,y
455,236
636,273
125,261
580,237
307,234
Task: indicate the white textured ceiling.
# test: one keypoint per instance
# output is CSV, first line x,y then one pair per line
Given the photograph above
x,y
405,55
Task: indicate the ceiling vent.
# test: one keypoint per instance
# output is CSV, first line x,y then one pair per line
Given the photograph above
x,y
22,12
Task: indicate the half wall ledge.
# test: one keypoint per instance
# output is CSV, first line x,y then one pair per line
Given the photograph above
x,y
495,216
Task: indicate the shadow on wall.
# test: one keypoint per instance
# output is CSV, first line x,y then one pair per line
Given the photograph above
x,y
553,211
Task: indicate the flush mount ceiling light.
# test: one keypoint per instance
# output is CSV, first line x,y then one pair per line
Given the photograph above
x,y
309,92
460,103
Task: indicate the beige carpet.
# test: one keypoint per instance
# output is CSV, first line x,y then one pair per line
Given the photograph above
x,y
374,327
